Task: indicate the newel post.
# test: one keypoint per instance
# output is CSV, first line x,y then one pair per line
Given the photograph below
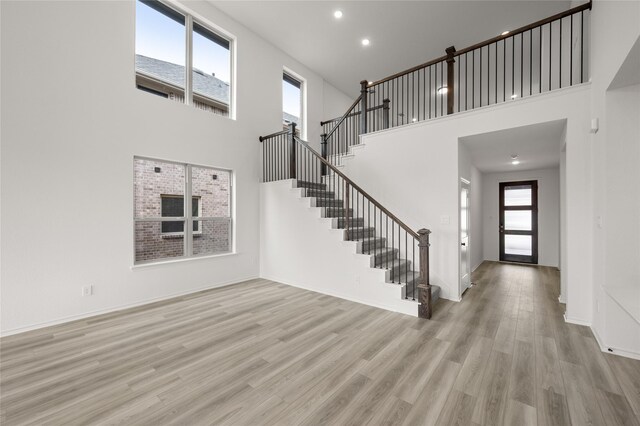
x,y
292,151
323,152
385,113
364,91
450,77
424,287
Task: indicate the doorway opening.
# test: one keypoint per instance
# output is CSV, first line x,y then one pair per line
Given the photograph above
x,y
519,221
465,222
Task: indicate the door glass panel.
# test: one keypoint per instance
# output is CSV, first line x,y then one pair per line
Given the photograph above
x,y
517,195
517,220
518,244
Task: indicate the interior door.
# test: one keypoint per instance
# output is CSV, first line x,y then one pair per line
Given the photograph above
x,y
465,261
519,221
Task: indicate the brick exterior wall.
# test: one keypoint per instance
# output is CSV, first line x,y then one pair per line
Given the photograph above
x,y
213,236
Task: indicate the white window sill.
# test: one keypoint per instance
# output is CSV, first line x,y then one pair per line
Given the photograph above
x,y
180,260
176,235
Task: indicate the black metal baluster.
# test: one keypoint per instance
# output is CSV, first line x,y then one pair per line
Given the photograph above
x,y
560,58
530,61
473,79
429,92
459,90
540,61
393,242
521,62
413,263
496,72
406,265
441,85
582,47
513,66
480,81
550,48
504,70
571,52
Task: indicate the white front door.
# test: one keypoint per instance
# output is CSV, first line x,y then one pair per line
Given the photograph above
x,y
465,261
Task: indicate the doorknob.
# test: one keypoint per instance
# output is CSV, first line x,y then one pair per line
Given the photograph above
x,y
463,244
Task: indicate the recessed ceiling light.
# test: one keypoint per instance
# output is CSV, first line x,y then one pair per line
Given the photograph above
x,y
514,159
442,90
505,33
337,14
515,162
414,120
365,42
514,96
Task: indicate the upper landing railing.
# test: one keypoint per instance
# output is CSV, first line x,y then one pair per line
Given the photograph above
x,y
537,58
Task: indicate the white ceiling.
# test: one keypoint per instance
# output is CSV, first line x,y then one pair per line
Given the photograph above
x,y
538,146
402,33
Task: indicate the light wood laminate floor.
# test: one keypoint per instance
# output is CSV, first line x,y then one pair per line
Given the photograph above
x,y
263,353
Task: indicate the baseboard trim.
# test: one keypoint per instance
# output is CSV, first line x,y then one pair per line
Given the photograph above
x,y
90,314
576,321
613,350
342,296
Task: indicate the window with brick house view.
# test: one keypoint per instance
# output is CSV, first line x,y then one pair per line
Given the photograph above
x,y
163,192
161,66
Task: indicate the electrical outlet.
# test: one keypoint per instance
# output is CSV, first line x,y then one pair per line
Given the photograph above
x,y
87,290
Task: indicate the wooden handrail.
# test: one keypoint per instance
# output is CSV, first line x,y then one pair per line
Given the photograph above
x,y
284,132
409,71
393,217
353,114
344,117
525,28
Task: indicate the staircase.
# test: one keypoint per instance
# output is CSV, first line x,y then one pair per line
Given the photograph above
x,y
383,255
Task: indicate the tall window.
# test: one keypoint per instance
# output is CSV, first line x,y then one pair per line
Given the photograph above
x,y
163,192
291,101
162,67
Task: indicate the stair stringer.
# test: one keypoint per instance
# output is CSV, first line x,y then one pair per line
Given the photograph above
x,y
301,248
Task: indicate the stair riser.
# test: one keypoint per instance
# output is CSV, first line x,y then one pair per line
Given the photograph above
x,y
380,258
319,194
310,185
352,222
359,234
369,245
333,212
327,202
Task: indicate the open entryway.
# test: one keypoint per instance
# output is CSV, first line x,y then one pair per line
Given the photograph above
x,y
519,221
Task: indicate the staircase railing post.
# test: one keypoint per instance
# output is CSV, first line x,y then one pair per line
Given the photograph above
x,y
292,151
363,106
424,286
346,206
385,113
450,77
323,152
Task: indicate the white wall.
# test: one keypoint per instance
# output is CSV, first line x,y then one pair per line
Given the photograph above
x,y
420,165
299,248
615,29
72,120
548,212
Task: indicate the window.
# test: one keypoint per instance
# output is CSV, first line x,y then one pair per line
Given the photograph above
x,y
163,192
162,68
173,206
292,102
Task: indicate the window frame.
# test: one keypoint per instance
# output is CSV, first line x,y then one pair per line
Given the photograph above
x,y
292,75
189,96
188,219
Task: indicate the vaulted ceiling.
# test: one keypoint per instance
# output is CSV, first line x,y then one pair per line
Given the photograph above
x,y
402,33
